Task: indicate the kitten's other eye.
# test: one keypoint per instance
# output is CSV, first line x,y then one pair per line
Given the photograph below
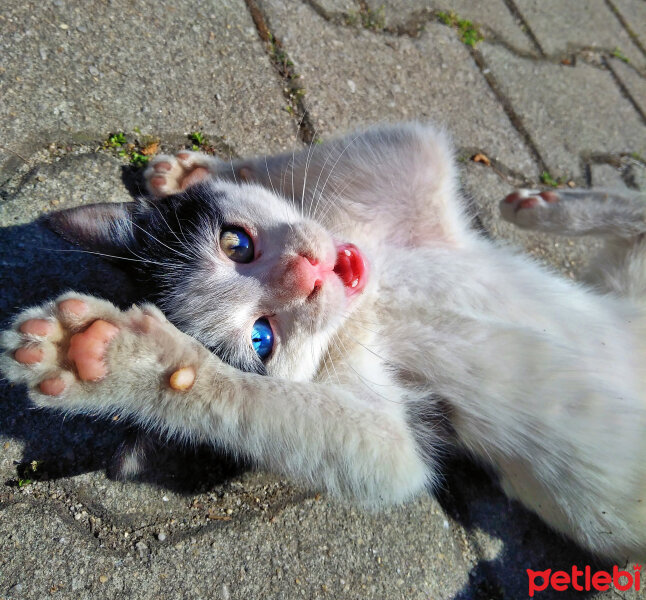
x,y
237,244
262,338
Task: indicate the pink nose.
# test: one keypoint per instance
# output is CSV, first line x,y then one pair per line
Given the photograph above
x,y
304,275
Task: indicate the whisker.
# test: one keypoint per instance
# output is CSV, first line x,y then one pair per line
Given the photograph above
x,y
166,222
307,164
141,260
184,256
336,162
273,189
233,171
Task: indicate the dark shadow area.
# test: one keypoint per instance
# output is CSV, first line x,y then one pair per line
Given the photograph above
x,y
472,497
35,266
132,180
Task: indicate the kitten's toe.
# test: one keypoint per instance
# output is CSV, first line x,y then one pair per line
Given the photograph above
x,y
167,175
524,207
162,176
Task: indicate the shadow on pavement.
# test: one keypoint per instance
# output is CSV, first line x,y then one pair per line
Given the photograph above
x,y
36,266
472,498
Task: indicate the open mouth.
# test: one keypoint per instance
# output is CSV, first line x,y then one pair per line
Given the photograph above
x,y
351,268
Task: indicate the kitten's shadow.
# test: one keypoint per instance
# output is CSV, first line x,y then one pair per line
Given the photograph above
x,y
36,266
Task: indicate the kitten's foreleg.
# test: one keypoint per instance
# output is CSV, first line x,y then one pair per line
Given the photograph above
x,y
83,355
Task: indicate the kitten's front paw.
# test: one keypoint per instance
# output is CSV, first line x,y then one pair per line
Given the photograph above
x,y
80,352
167,175
527,208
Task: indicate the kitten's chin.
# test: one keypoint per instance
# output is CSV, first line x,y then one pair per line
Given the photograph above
x,y
352,269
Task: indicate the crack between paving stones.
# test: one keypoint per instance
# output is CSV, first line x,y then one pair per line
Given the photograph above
x,y
286,71
516,121
13,184
629,30
525,27
413,25
623,89
464,153
515,178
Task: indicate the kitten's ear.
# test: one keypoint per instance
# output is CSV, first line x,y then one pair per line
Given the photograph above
x,y
105,227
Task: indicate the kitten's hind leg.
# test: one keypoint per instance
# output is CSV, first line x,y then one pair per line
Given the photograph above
x,y
577,212
620,267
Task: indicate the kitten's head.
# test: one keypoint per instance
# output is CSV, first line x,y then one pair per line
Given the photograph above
x,y
236,267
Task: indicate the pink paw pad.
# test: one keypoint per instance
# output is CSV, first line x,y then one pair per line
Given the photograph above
x,y
528,203
195,176
549,196
87,350
157,181
73,306
52,387
40,327
162,166
29,355
513,197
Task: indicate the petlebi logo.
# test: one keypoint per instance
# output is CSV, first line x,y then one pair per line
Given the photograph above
x,y
584,580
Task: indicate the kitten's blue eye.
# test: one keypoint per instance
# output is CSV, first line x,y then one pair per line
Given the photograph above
x,y
237,244
262,338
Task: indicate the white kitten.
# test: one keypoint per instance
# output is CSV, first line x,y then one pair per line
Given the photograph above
x,y
341,323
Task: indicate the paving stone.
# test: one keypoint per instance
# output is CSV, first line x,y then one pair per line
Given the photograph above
x,y
494,17
45,550
65,76
635,82
607,176
568,111
376,77
634,14
339,6
71,180
564,26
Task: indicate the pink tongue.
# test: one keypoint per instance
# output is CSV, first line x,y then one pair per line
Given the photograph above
x,y
343,268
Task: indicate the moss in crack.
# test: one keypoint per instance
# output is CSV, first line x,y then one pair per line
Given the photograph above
x,y
617,53
136,149
210,144
28,473
366,17
468,31
292,88
547,179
